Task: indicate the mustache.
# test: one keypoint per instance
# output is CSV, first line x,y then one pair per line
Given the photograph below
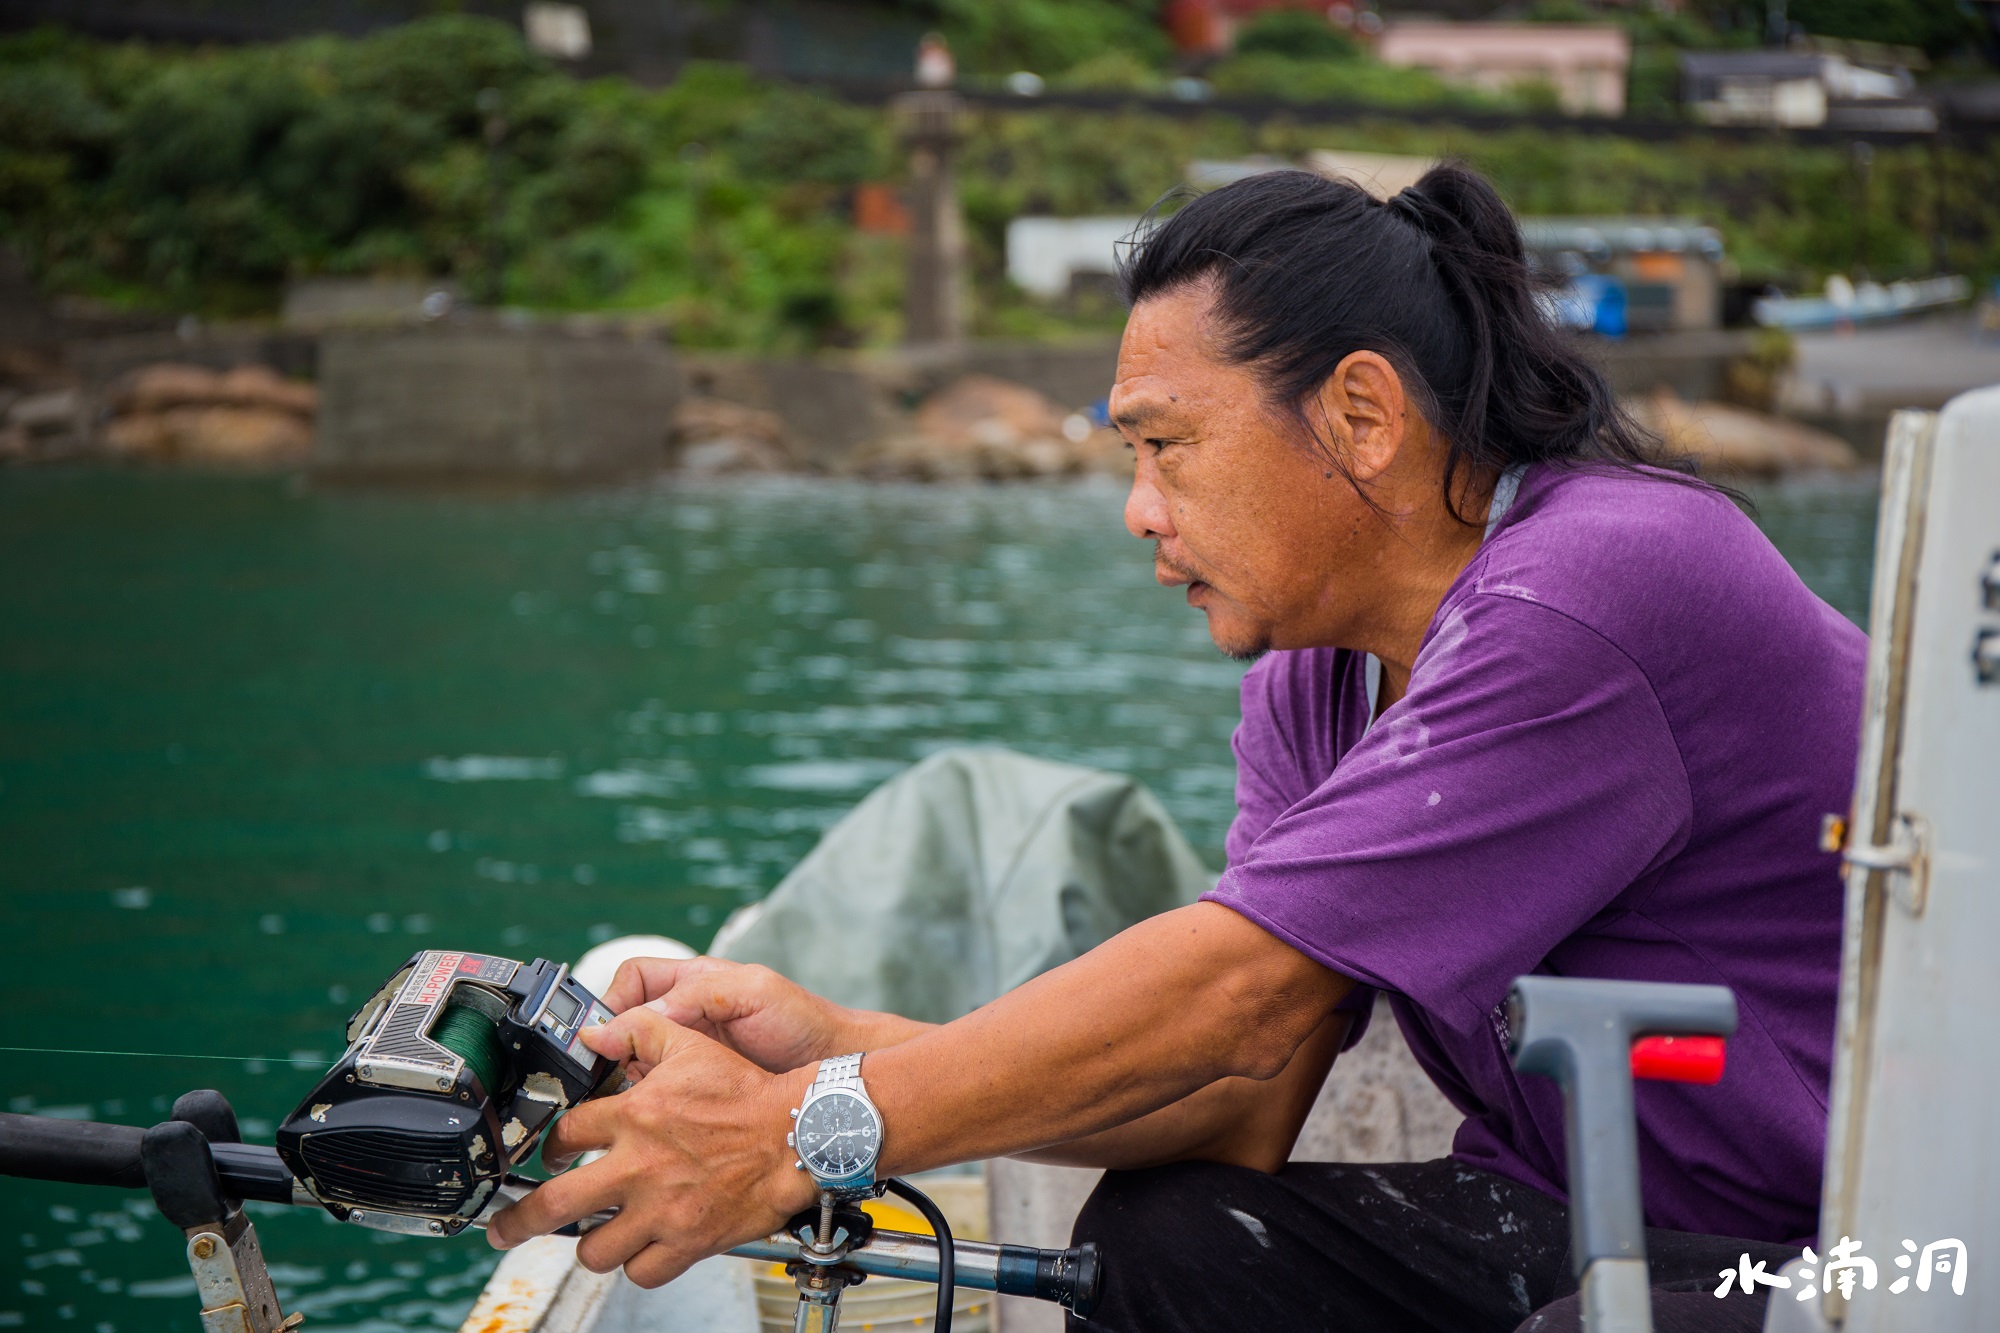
x,y
1164,561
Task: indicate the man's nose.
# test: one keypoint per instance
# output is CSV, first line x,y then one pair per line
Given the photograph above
x,y
1147,515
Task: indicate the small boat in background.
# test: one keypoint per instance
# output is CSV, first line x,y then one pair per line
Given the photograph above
x,y
1845,302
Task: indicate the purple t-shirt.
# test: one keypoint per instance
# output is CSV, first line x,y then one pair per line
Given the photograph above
x,y
1625,723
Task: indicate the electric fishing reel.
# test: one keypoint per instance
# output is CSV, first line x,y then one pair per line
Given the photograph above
x,y
453,1070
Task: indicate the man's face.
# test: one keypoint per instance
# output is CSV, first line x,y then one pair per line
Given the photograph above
x,y
1264,534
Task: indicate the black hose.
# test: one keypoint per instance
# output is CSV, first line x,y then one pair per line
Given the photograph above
x,y
902,1189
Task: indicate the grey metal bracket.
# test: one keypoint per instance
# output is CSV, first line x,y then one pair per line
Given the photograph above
x,y
232,1281
1905,861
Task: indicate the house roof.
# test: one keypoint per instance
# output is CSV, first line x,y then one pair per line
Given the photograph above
x,y
1750,65
1607,236
1471,45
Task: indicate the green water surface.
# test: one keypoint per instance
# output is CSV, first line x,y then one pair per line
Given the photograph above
x,y
259,742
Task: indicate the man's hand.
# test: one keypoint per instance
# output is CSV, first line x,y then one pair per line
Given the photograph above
x,y
694,1156
770,1021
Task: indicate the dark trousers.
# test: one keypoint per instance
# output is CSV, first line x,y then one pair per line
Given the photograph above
x,y
1396,1248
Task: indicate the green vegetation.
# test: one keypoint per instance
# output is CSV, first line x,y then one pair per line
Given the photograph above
x,y
205,180
1932,26
1296,34
1047,36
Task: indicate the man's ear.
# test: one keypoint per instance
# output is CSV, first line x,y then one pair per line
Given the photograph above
x,y
1366,411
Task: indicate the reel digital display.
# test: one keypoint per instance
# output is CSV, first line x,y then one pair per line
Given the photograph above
x,y
453,1071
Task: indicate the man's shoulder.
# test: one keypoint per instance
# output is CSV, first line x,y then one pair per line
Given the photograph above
x,y
1635,556
1623,524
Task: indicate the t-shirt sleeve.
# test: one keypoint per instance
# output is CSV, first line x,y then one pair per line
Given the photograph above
x,y
1269,777
1526,779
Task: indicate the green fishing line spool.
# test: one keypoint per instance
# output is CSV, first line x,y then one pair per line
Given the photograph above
x,y
474,1038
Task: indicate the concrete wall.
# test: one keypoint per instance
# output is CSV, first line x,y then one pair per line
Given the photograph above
x,y
538,404
1693,363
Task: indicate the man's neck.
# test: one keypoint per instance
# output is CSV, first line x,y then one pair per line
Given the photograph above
x,y
1418,561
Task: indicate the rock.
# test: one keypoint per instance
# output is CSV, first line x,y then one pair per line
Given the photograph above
x,y
246,416
229,435
260,386
1735,440
44,413
715,437
982,411
170,384
983,427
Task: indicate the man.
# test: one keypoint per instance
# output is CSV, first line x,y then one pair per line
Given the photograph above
x,y
1526,702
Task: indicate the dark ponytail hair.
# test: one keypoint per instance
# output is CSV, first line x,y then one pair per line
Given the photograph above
x,y
1308,270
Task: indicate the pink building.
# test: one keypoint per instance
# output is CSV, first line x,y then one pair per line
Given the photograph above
x,y
1584,63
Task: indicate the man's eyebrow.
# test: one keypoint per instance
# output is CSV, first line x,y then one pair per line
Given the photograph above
x,y
1136,417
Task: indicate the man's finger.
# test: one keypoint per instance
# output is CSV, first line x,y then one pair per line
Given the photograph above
x,y
705,996
582,1129
638,980
657,1265
615,1243
644,1034
555,1204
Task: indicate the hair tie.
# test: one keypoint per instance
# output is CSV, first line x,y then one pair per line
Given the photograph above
x,y
1413,208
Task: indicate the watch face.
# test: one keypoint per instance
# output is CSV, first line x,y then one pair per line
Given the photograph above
x,y
838,1136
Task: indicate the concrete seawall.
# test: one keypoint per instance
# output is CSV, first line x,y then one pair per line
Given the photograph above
x,y
556,403
532,404
546,403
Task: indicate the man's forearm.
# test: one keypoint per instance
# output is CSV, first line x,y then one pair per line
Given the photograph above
x,y
870,1030
1166,1008
1240,1121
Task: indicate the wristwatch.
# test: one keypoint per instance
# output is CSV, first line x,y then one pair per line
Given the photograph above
x,y
838,1131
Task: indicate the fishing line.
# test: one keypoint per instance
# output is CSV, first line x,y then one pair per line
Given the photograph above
x,y
154,1055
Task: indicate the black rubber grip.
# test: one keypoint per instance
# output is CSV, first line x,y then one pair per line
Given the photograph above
x,y
253,1171
85,1152
1067,1277
80,1152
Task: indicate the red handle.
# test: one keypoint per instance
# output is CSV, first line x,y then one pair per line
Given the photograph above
x,y
1678,1059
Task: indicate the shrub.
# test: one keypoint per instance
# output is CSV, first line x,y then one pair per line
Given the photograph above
x,y
1297,34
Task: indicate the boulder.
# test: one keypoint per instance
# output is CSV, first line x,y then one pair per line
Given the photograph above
x,y
1736,441
46,425
248,415
983,427
715,437
983,411
224,434
170,384
261,386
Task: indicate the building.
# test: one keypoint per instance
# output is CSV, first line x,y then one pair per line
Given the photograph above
x,y
1819,82
1045,256
1584,63
1667,272
1053,258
